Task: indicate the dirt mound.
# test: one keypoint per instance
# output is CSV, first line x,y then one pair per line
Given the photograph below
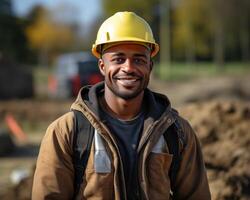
x,y
34,111
224,130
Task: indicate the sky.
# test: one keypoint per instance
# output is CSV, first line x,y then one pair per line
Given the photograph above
x,y
82,11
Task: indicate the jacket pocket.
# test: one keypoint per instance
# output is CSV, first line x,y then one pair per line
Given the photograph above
x,y
98,185
157,171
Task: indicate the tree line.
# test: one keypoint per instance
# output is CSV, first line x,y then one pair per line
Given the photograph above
x,y
187,30
195,30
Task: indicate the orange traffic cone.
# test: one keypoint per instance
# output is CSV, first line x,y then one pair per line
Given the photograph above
x,y
15,129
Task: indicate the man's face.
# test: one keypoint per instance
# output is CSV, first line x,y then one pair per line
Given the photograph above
x,y
126,68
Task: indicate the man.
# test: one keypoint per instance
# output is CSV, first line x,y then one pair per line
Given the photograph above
x,y
129,157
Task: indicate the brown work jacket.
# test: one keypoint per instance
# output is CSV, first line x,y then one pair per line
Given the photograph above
x,y
54,174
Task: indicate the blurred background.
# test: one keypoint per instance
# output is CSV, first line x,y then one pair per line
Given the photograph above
x,y
203,67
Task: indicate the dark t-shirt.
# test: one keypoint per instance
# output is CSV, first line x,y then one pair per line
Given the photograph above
x,y
127,134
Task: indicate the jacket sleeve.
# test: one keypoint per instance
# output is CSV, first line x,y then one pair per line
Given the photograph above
x,y
191,181
54,174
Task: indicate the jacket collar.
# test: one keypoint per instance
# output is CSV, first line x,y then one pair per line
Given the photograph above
x,y
156,104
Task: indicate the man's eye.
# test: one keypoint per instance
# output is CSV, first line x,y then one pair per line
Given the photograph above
x,y
140,61
118,60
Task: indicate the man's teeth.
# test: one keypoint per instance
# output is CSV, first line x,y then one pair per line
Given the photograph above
x,y
127,81
124,79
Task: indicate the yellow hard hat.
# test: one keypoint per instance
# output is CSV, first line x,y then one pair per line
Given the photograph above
x,y
124,27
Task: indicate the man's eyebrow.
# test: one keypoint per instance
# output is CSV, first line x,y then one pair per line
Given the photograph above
x,y
117,54
123,54
140,55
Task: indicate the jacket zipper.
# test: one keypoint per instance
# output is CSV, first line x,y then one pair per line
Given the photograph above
x,y
139,162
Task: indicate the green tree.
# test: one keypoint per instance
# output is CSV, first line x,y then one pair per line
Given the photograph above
x,y
191,30
231,28
13,41
141,7
47,36
211,29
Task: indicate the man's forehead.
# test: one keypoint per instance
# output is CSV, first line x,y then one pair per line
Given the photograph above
x,y
127,48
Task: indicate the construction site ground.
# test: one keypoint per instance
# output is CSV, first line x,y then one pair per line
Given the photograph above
x,y
218,108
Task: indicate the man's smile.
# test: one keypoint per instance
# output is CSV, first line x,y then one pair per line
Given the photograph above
x,y
127,80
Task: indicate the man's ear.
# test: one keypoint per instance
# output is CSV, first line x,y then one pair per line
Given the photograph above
x,y
101,66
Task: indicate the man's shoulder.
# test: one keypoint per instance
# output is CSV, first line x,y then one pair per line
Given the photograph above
x,y
65,119
63,126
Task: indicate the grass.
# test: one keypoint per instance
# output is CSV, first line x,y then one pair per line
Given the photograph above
x,y
182,71
177,71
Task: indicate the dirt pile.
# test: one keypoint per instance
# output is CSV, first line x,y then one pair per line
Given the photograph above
x,y
224,130
34,111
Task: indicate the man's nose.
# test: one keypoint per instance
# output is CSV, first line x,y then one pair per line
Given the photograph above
x,y
128,66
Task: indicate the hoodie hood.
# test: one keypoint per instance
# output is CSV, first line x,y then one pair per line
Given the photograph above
x,y
156,104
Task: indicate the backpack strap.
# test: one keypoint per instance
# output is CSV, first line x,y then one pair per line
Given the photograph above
x,y
175,142
82,141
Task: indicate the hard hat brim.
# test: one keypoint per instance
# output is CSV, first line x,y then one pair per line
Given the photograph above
x,y
97,50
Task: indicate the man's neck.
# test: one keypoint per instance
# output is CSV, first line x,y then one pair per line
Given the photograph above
x,y
121,108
